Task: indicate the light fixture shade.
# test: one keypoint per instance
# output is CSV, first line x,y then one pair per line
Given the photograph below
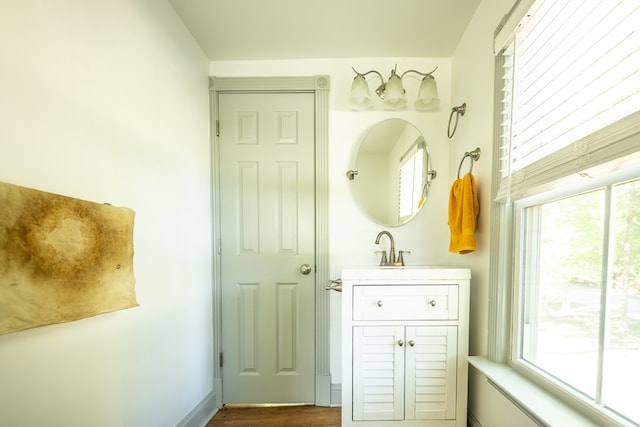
x,y
427,99
394,98
360,98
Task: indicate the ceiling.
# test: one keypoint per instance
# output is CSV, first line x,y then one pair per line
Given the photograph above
x,y
232,30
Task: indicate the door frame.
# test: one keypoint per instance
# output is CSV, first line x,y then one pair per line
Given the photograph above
x,y
319,86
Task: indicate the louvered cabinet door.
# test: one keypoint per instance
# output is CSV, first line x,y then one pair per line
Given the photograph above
x,y
378,374
430,372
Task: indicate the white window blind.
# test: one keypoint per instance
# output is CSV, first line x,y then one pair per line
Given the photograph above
x,y
571,91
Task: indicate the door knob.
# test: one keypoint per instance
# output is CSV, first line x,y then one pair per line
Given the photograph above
x,y
305,269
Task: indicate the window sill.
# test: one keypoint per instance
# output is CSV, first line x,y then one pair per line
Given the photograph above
x,y
530,398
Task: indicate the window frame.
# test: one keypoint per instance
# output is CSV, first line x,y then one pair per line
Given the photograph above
x,y
570,395
415,154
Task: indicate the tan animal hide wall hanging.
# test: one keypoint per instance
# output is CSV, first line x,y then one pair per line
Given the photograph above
x,y
61,259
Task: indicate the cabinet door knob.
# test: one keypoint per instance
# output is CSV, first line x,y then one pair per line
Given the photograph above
x,y
412,343
380,303
400,343
432,303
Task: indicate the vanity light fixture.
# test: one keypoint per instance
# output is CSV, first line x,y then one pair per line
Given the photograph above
x,y
392,92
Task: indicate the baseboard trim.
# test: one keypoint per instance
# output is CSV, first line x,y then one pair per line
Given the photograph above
x,y
201,413
336,394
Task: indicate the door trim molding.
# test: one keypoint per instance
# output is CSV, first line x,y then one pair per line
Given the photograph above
x,y
319,86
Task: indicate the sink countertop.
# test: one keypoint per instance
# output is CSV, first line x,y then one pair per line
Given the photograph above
x,y
408,272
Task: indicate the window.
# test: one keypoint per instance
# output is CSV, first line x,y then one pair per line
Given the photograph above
x,y
411,181
569,146
579,305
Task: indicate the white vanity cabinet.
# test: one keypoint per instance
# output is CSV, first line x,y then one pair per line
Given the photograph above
x,y
405,340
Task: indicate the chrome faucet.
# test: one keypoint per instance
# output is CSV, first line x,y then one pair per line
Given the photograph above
x,y
392,251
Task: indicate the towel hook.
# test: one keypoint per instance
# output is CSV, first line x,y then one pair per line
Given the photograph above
x,y
473,155
458,111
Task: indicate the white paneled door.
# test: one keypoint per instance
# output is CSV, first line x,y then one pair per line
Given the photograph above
x,y
266,149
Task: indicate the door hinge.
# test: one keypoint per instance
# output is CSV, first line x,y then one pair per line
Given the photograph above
x,y
219,246
217,127
221,359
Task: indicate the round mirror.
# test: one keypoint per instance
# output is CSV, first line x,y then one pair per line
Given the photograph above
x,y
393,172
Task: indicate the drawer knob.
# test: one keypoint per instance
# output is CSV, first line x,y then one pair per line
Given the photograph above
x,y
379,303
432,303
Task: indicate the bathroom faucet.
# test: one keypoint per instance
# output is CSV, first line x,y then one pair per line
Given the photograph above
x,y
392,251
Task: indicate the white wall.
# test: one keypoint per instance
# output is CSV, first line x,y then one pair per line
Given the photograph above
x,y
492,409
352,233
473,83
108,102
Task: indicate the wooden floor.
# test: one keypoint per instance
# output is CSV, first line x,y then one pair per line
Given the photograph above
x,y
277,416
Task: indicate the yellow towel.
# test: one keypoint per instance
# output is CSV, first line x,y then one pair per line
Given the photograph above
x,y
463,215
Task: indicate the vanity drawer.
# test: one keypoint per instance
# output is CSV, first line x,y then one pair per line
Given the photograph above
x,y
405,302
